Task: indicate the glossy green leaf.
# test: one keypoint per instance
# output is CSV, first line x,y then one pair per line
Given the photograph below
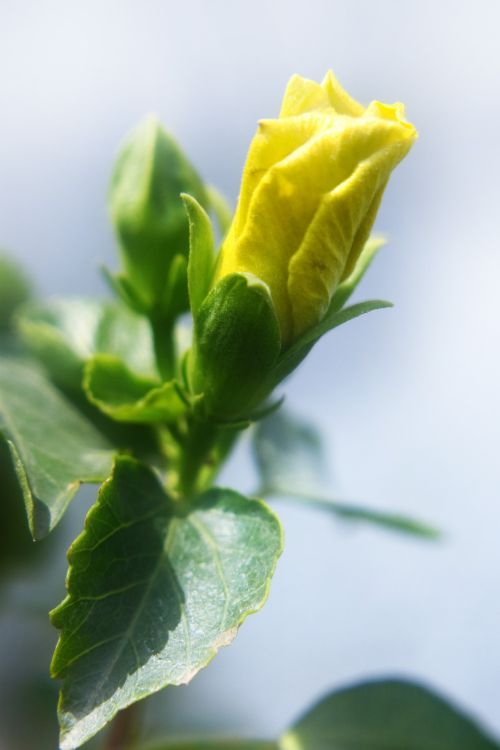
x,y
390,715
128,397
64,333
154,589
201,253
294,355
54,448
289,456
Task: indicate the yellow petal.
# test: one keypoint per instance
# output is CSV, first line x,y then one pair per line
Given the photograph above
x,y
303,95
338,97
337,234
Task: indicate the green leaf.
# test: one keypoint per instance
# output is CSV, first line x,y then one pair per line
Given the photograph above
x,y
289,457
348,286
155,588
222,744
127,397
15,289
17,547
201,253
392,715
294,355
64,333
53,447
362,514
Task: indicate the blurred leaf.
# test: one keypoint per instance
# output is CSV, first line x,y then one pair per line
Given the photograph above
x,y
15,289
201,253
127,397
64,333
17,545
391,714
362,514
290,462
53,447
288,452
222,744
155,588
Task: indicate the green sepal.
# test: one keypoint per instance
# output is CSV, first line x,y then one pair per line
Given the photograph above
x,y
236,346
348,286
201,253
146,210
293,356
126,396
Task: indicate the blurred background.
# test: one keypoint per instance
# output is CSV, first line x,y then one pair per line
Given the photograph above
x,y
407,399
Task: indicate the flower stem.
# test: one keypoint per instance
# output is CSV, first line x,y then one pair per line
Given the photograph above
x,y
124,730
164,345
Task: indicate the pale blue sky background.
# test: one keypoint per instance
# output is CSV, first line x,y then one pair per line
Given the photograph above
x,y
407,399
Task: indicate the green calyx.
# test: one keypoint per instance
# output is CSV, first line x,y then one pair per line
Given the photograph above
x,y
236,345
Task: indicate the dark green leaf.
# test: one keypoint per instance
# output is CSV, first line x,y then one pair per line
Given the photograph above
x,y
154,589
388,715
64,333
127,397
53,447
17,546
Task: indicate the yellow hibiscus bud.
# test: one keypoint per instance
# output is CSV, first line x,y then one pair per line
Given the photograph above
x,y
311,188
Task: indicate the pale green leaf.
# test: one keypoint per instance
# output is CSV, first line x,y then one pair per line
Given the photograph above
x,y
155,588
53,447
201,253
390,715
128,397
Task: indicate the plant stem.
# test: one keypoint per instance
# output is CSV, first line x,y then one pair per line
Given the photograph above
x,y
163,340
124,730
